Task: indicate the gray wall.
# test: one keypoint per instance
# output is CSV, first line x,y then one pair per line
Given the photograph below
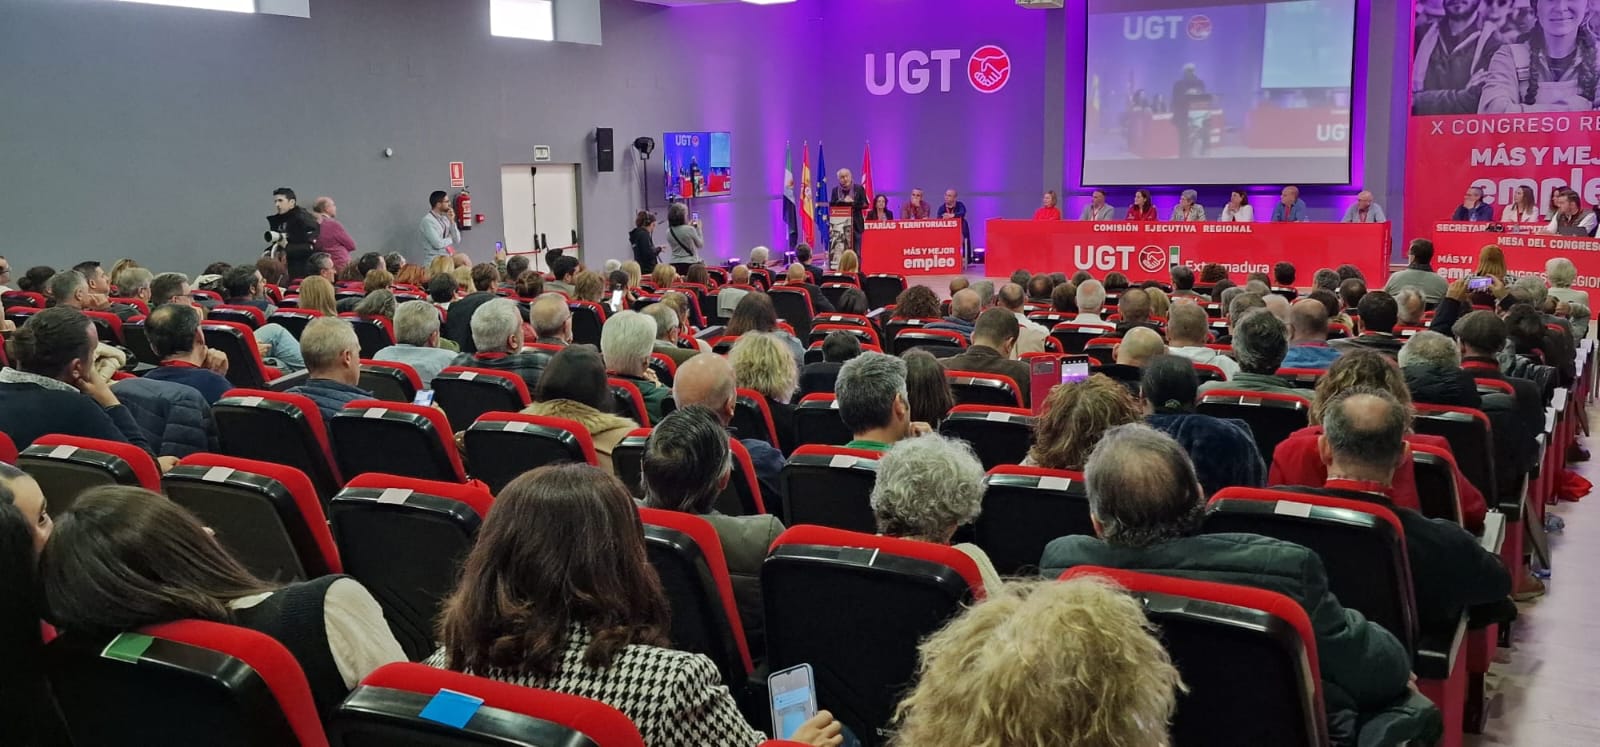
x,y
159,133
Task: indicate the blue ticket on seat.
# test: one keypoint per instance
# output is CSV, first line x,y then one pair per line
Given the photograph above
x,y
451,708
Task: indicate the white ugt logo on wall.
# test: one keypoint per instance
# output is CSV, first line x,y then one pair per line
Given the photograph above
x,y
988,70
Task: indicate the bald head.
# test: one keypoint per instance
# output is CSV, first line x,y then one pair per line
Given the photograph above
x,y
965,304
1364,432
797,273
707,380
1012,296
1278,306
1308,320
959,283
1139,345
550,316
741,275
1134,305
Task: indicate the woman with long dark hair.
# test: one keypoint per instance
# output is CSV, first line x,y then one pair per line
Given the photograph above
x,y
755,313
558,594
1556,70
880,209
1238,209
1142,208
927,388
26,711
123,557
1524,208
645,251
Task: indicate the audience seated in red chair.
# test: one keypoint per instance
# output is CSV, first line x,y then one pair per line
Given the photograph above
x,y
1298,460
180,344
1222,449
1081,666
122,558
25,525
1259,345
762,362
755,313
965,306
598,627
333,356
1091,301
416,332
498,343
551,320
1074,418
1187,332
1362,442
837,348
668,333
928,487
871,394
994,342
1308,336
626,342
1146,505
927,388
1377,316
1134,308
242,286
54,386
686,465
796,278
707,380
574,387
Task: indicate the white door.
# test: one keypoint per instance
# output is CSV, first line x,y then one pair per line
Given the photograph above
x,y
516,197
555,205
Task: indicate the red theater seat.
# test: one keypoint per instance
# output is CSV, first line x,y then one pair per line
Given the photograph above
x,y
107,325
390,381
629,400
387,708
1215,631
978,388
374,332
882,289
8,450
249,316
1024,508
999,435
502,445
816,421
267,515
854,606
278,428
940,342
371,435
293,319
830,486
436,523
752,418
588,318
1271,417
65,466
687,555
189,682
465,394
238,342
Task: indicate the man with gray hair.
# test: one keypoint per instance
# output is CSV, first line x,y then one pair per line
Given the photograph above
x,y
626,341
759,256
871,395
985,291
416,334
1411,303
1030,335
333,358
1259,344
964,308
707,380
667,331
1146,505
497,335
1362,443
730,295
1134,307
1562,274
1187,326
1091,300
928,487
1235,303
551,320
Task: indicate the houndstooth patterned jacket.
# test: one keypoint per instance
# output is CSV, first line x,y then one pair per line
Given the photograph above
x,y
677,699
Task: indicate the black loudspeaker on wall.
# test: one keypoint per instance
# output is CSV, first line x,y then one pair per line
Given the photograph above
x,y
604,158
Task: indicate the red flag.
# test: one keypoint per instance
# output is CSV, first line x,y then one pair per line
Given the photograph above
x,y
808,224
866,172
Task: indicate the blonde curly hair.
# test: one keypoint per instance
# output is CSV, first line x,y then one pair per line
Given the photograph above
x,y
1361,368
763,362
1076,416
1046,664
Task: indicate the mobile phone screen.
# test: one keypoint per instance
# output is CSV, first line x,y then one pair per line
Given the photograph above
x,y
424,398
1480,283
694,217
794,699
1074,368
616,300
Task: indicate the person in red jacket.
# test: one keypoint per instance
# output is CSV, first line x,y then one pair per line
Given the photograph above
x,y
1050,210
1142,208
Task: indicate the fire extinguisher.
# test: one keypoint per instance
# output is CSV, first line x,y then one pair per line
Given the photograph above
x,y
464,210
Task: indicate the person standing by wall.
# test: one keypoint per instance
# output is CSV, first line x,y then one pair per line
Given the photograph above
x,y
293,231
335,241
438,227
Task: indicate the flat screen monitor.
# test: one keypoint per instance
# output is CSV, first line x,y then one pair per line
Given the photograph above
x,y
697,164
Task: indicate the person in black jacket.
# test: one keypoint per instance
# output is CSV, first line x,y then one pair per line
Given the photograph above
x,y
1363,439
45,392
796,278
645,251
292,232
458,322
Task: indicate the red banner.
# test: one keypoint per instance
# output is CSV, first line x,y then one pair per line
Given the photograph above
x,y
1456,247
1489,109
1145,251
912,247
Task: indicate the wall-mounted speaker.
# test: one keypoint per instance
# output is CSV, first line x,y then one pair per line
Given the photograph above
x,y
604,156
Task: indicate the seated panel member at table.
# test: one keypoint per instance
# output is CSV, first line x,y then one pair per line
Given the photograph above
x,y
954,208
917,208
1142,208
1364,210
1473,208
1098,208
880,208
1048,211
1524,208
1188,207
1289,208
1238,209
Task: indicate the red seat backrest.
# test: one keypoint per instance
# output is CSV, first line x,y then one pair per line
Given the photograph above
x,y
473,494
441,426
308,412
705,536
956,560
300,488
143,465
585,441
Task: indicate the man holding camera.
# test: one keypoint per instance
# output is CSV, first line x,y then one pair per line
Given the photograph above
x,y
439,232
292,232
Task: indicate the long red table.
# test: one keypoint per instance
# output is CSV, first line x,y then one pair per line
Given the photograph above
x,y
1456,247
1146,251
912,247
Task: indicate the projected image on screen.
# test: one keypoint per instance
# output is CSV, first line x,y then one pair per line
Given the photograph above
x,y
1193,93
